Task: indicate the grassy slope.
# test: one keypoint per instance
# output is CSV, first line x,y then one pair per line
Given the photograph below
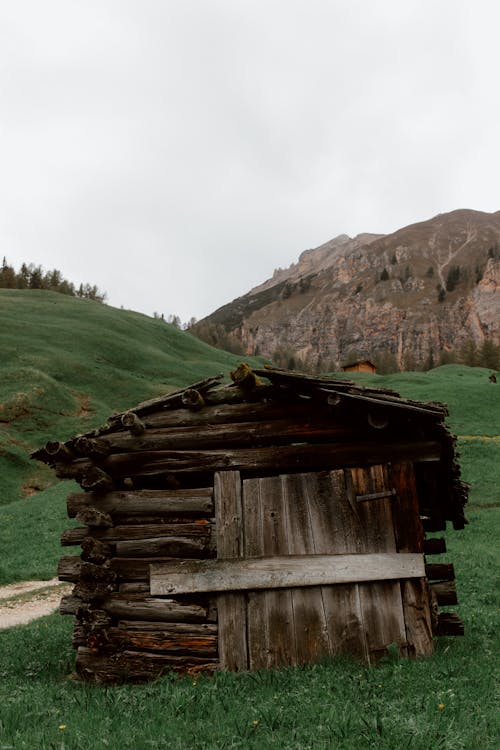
x,y
446,702
67,363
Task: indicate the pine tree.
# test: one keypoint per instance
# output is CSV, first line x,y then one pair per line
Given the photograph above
x,y
384,276
452,278
489,355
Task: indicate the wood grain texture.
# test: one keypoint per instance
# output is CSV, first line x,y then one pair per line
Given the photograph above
x,y
335,521
410,538
231,608
132,532
380,602
271,458
271,633
145,502
136,666
151,609
201,576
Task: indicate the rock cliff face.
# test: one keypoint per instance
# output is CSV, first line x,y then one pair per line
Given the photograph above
x,y
426,289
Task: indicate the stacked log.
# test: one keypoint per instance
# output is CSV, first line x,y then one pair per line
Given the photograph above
x,y
121,632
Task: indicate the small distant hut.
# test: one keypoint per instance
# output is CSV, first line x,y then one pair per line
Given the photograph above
x,y
362,365
277,520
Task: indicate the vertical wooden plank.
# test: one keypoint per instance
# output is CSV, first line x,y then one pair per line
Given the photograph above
x,y
336,530
383,617
281,645
231,607
228,514
311,630
417,615
257,620
410,538
407,524
271,640
381,602
375,515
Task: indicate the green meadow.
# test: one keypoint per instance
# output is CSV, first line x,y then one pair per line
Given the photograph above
x,y
66,364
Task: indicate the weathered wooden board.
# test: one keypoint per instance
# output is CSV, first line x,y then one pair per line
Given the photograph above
x,y
132,532
166,503
200,576
310,616
169,546
270,624
151,609
380,602
445,592
274,458
434,546
334,520
410,538
136,666
165,641
208,436
231,608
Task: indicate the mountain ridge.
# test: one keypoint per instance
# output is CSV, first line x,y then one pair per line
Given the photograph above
x,y
410,296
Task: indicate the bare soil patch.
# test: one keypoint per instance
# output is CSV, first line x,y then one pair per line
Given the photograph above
x,y
23,602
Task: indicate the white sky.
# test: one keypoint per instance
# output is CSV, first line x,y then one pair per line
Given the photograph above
x,y
175,152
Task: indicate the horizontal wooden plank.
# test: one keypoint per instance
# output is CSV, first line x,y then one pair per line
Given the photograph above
x,y
164,641
445,592
196,502
169,546
68,568
136,666
193,629
151,609
204,437
233,412
434,546
137,531
273,458
281,572
449,623
440,571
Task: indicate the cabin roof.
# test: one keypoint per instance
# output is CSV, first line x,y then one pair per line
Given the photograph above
x,y
289,382
354,362
340,395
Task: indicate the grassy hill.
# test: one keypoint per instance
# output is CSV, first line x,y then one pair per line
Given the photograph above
x,y
67,364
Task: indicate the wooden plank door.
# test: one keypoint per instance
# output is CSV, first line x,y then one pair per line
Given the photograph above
x,y
326,513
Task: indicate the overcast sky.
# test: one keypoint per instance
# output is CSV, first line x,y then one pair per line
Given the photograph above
x,y
175,152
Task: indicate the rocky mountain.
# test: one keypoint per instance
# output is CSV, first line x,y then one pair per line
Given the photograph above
x,y
404,298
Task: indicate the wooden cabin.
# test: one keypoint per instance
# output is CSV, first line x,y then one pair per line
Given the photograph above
x,y
363,365
280,519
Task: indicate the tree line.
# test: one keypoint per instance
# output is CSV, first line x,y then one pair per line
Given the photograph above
x,y
486,354
31,276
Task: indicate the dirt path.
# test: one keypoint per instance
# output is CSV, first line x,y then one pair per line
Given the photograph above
x,y
21,603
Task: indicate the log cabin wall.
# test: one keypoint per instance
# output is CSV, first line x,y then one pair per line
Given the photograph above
x,y
160,486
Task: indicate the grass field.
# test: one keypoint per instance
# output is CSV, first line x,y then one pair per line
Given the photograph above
x,y
66,364
446,702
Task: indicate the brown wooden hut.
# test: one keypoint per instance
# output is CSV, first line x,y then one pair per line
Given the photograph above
x,y
362,365
277,520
